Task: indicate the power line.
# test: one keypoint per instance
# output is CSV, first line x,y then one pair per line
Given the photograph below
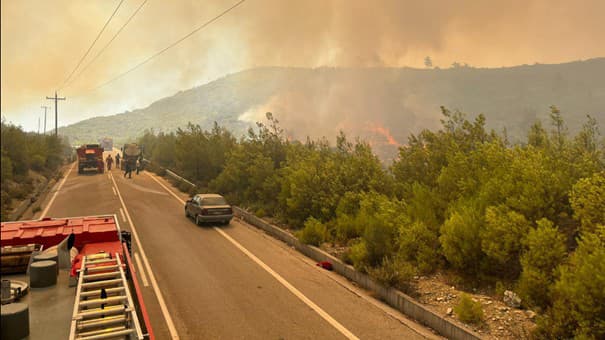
x,y
93,43
169,46
107,45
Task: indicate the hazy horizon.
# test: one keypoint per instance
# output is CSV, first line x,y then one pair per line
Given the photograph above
x,y
43,41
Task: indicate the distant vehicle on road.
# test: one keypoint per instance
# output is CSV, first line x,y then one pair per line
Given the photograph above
x,y
90,157
209,208
131,152
106,143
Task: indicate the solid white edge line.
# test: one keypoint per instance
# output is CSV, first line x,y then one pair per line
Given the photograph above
x,y
342,329
137,260
165,188
122,213
158,293
278,277
114,191
52,199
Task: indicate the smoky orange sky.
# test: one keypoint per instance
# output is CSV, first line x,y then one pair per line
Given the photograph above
x,y
42,42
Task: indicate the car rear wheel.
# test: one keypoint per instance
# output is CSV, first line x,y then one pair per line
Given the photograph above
x,y
186,213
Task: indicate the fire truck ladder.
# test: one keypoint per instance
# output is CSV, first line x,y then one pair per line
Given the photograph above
x,y
103,308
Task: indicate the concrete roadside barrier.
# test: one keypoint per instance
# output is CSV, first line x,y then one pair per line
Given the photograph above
x,y
404,303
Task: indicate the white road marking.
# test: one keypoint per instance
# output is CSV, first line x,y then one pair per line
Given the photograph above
x,y
52,199
171,328
122,213
137,260
166,188
291,288
278,277
114,191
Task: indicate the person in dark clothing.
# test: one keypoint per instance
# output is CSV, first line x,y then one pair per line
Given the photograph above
x,y
118,161
127,169
138,166
109,161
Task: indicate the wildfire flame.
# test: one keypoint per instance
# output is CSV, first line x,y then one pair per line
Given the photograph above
x,y
376,128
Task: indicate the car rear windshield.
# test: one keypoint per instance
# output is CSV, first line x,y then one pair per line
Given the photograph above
x,y
214,201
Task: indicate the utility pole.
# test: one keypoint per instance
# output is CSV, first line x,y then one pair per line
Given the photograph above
x,y
45,108
38,125
55,98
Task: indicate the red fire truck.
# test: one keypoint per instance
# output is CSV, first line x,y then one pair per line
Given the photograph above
x,y
90,157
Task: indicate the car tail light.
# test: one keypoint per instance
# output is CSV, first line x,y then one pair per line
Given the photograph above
x,y
204,211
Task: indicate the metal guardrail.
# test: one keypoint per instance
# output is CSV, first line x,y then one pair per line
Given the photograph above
x,y
172,174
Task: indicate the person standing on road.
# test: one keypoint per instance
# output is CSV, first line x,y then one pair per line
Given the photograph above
x,y
127,169
109,161
118,161
138,166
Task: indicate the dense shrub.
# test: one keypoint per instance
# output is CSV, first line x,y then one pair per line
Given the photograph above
x,y
314,232
588,201
545,250
460,238
578,309
468,311
393,272
419,244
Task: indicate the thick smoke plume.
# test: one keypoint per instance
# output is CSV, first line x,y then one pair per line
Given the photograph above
x,y
43,40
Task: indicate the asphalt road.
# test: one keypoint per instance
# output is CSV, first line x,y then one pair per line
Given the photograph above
x,y
228,282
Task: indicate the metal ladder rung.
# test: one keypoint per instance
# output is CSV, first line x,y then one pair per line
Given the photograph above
x,y
109,301
96,284
98,322
103,331
100,261
100,276
97,292
98,256
101,268
110,310
112,335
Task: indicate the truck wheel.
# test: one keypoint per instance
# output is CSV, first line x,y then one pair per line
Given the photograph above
x,y
186,213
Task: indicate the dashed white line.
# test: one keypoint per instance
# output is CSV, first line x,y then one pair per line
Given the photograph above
x,y
158,293
114,191
52,199
122,213
137,260
342,329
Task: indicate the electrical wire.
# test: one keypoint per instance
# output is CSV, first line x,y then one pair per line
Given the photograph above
x,y
106,45
93,43
153,56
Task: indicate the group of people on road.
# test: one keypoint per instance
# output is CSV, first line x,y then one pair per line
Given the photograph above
x,y
128,167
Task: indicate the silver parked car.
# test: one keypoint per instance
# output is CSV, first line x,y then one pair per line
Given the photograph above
x,y
209,208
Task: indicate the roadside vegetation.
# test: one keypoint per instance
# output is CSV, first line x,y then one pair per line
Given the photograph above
x,y
27,158
527,217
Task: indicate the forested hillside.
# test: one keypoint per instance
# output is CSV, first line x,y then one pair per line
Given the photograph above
x,y
459,199
381,105
27,156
